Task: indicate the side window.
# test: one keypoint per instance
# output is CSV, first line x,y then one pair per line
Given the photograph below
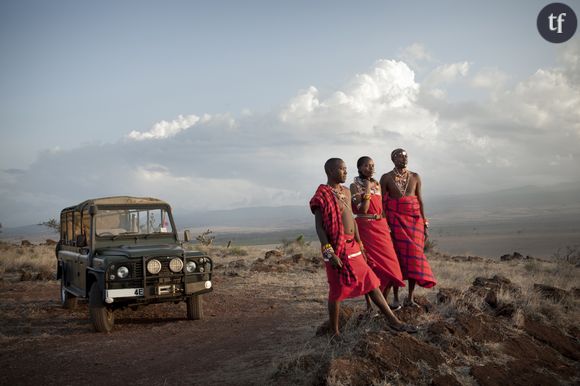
x,y
63,227
86,224
77,226
69,228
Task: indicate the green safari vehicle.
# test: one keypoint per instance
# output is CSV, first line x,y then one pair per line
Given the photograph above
x,y
124,251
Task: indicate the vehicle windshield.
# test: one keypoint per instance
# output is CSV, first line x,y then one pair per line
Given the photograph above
x,y
130,222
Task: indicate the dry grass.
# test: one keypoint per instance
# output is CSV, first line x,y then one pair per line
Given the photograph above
x,y
39,260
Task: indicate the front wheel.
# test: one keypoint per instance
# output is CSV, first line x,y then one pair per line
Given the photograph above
x,y
67,300
194,307
101,315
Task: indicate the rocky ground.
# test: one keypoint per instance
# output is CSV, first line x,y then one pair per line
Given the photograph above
x,y
265,323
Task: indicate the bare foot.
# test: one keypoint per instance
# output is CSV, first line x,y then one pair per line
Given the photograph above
x,y
395,306
411,303
403,327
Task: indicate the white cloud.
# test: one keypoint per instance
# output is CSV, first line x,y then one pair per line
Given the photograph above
x,y
517,135
447,73
165,129
489,78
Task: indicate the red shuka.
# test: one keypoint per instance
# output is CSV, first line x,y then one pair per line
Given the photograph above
x,y
408,232
376,237
355,278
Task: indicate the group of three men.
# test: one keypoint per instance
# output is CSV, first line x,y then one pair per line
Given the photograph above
x,y
364,253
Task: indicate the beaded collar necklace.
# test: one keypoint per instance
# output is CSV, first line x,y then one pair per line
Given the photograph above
x,y
339,194
401,180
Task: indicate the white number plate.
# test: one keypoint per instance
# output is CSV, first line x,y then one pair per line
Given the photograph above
x,y
124,293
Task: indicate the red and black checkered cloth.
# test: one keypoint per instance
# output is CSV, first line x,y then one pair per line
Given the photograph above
x,y
325,201
408,234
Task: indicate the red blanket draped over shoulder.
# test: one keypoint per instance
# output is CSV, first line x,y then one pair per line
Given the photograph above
x,y
408,234
324,200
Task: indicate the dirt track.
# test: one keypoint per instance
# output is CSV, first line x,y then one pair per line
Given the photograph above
x,y
250,324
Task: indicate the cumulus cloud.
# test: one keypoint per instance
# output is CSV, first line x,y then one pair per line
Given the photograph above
x,y
522,134
165,129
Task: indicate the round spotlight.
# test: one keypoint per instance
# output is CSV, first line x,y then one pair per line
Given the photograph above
x,y
123,272
208,284
176,265
153,266
190,266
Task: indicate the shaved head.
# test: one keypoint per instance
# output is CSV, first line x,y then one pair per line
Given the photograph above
x,y
331,164
395,152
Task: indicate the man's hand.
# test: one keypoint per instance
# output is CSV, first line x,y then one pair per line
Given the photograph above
x,y
366,185
335,261
364,253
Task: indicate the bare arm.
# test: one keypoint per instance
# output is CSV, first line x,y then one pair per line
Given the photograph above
x,y
419,198
323,237
357,198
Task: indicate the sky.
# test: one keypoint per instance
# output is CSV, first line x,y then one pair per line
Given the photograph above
x,y
231,104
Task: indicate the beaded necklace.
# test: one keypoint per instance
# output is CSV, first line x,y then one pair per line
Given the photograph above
x,y
339,195
401,180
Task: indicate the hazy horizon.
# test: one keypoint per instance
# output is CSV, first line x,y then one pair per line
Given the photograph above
x,y
221,105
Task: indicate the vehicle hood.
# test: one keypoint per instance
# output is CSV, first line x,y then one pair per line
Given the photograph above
x,y
142,250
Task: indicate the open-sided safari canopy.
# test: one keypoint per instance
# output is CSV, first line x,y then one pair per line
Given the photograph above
x,y
117,200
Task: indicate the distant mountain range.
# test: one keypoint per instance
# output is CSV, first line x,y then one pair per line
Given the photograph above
x,y
554,206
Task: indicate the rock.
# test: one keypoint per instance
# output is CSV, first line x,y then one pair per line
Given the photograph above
x,y
297,257
491,299
445,380
514,256
495,283
344,316
25,243
241,263
352,371
50,242
553,337
549,292
506,310
273,253
445,295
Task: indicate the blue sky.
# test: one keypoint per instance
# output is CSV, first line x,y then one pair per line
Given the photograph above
x,y
250,98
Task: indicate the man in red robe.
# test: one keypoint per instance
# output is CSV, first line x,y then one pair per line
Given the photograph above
x,y
346,268
405,213
373,228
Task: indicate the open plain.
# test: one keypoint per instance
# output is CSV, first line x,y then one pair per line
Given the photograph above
x,y
487,322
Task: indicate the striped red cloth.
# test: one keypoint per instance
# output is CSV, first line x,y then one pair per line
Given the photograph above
x,y
408,234
325,201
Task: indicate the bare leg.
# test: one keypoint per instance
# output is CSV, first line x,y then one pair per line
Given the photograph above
x,y
411,299
369,304
333,311
396,301
395,305
379,300
377,297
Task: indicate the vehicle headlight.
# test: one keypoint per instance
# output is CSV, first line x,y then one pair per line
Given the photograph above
x,y
176,265
154,266
190,266
123,272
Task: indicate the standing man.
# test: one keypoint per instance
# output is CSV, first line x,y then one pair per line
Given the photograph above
x,y
373,228
348,274
406,216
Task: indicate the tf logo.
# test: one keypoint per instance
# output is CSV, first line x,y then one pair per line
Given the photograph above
x,y
557,22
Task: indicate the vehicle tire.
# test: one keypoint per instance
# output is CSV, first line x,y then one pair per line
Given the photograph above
x,y
194,307
68,300
101,315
